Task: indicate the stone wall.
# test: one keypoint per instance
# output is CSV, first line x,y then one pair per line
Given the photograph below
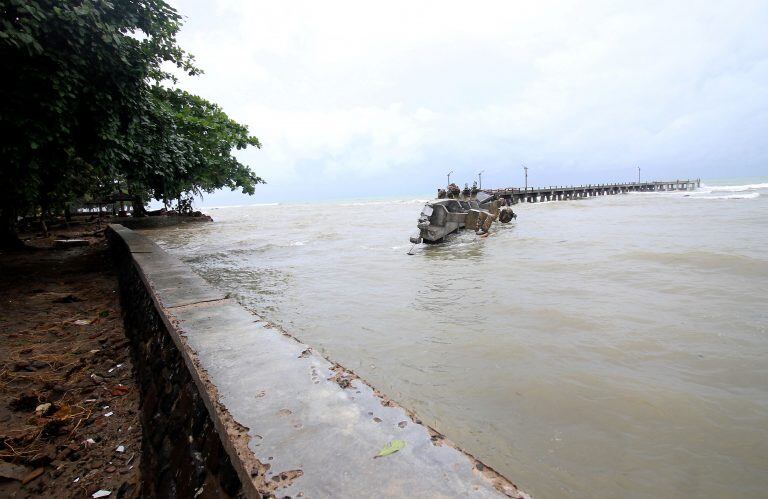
x,y
182,455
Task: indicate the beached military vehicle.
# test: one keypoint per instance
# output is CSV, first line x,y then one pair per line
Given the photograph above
x,y
444,216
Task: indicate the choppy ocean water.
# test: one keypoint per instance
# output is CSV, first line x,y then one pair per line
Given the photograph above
x,y
605,347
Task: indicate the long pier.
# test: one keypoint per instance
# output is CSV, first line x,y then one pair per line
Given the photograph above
x,y
515,195
455,209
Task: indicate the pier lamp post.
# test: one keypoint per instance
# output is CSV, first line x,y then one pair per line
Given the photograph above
x,y
638,174
480,178
449,177
526,177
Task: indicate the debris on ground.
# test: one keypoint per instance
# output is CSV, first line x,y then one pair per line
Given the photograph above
x,y
64,356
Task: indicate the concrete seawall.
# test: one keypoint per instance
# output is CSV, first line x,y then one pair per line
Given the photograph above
x,y
234,406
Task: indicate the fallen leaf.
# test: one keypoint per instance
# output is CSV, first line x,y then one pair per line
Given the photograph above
x,y
32,476
82,322
391,448
120,390
63,412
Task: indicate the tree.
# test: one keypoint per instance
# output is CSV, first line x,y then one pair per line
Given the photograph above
x,y
81,80
191,148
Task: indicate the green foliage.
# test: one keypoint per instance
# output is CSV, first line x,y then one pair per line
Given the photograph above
x,y
190,147
85,110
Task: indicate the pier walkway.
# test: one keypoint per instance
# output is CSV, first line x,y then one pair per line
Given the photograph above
x,y
559,193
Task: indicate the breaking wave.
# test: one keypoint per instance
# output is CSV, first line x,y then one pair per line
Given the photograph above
x,y
733,188
745,191
254,205
749,195
388,202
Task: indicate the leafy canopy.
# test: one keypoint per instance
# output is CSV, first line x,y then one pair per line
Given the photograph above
x,y
87,110
191,143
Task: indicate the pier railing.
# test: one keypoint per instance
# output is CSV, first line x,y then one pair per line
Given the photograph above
x,y
559,193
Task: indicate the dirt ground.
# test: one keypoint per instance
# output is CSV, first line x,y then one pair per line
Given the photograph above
x,y
69,424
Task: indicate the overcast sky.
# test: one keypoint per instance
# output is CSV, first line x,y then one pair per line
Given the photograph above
x,y
371,99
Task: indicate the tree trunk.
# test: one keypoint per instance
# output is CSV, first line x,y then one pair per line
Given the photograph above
x,y
138,207
9,239
67,216
43,218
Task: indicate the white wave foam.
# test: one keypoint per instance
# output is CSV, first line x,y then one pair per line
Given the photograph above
x,y
749,195
732,188
379,203
254,205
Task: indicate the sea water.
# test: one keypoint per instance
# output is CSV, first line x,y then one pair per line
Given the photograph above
x,y
605,347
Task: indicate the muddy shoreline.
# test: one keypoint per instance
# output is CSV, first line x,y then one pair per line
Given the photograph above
x,y
68,401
